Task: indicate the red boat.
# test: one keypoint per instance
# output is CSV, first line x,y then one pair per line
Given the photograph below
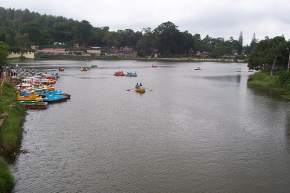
x,y
119,73
154,66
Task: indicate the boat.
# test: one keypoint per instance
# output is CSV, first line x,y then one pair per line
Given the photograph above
x,y
140,90
119,73
61,69
197,68
94,66
154,66
34,104
54,98
131,74
25,96
58,92
55,92
83,69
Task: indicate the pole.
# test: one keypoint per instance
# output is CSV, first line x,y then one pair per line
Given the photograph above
x,y
288,63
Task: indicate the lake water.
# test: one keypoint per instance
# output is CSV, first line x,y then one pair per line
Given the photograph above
x,y
192,131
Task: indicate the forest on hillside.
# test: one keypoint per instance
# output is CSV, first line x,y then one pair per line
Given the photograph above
x,y
22,28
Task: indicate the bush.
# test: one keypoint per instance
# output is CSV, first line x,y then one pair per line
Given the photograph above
x,y
284,80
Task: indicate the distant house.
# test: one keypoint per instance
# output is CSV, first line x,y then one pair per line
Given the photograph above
x,y
52,51
34,47
123,52
94,51
58,44
201,54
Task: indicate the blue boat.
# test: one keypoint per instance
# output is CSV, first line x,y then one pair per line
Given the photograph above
x,y
54,98
55,92
131,74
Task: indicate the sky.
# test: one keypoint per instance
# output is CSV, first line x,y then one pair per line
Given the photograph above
x,y
217,18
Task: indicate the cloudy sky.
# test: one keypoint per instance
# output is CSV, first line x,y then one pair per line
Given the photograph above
x,y
218,18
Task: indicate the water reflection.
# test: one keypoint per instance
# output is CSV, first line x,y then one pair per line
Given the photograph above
x,y
227,78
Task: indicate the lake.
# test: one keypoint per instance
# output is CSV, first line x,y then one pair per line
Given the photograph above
x,y
192,131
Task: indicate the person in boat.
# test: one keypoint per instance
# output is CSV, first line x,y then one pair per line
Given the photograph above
x,y
137,85
140,84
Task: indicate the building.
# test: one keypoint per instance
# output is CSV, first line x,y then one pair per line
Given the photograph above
x,y
34,47
27,55
52,51
126,52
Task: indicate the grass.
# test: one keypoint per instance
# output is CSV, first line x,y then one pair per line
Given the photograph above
x,y
265,81
13,115
11,130
6,179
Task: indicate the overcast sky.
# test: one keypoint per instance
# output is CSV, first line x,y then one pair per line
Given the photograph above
x,y
218,18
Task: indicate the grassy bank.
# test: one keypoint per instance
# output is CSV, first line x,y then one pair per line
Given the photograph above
x,y
11,118
279,83
6,179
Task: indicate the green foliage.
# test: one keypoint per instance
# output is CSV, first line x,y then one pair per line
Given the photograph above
x,y
263,80
6,179
284,79
269,51
11,131
278,84
3,53
21,28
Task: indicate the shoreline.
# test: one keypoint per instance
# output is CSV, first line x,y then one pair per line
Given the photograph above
x,y
264,82
12,115
116,58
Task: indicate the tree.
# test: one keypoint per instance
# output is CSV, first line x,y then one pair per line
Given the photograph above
x,y
270,55
22,41
168,38
3,53
146,44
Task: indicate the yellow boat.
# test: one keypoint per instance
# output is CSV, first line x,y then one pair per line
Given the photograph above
x,y
140,90
31,97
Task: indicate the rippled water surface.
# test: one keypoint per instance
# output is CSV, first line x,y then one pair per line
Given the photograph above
x,y
193,131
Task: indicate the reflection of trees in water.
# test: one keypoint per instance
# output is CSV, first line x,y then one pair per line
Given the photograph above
x,y
230,78
287,130
267,92
287,126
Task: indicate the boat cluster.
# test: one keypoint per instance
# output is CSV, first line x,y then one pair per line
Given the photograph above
x,y
37,91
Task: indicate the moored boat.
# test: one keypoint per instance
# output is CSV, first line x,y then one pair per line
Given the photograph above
x,y
28,97
54,98
34,104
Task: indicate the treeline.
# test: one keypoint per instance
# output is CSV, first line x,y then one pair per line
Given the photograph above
x,y
22,28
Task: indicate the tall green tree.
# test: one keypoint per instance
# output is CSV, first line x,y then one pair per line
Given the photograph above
x,y
3,53
168,38
22,41
270,55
